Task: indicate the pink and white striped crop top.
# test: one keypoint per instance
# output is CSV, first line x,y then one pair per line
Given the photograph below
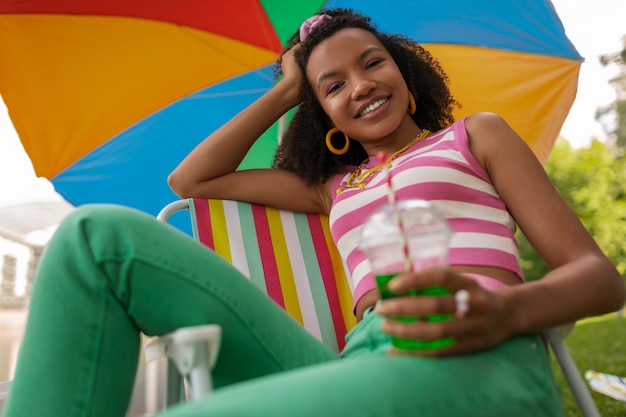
x,y
440,169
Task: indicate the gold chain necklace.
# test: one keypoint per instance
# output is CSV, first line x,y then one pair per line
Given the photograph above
x,y
359,178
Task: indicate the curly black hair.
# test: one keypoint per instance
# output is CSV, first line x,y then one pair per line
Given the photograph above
x,y
303,147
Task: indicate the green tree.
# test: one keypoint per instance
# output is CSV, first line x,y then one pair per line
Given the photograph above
x,y
616,111
592,181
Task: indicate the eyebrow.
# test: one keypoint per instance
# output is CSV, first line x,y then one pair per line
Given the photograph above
x,y
363,54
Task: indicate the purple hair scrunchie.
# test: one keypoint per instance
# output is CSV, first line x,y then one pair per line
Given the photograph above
x,y
310,24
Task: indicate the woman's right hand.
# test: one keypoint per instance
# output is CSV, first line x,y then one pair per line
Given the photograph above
x,y
292,74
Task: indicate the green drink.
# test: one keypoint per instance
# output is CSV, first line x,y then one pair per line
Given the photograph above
x,y
407,235
411,344
382,281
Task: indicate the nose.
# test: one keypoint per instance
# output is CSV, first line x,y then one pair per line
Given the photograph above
x,y
362,87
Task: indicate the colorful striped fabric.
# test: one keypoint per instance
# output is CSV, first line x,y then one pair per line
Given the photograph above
x,y
611,385
289,255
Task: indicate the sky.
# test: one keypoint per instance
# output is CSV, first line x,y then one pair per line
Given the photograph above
x,y
594,27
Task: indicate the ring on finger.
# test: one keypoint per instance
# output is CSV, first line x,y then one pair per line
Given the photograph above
x,y
462,298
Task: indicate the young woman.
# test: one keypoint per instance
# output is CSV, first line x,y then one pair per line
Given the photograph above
x,y
109,272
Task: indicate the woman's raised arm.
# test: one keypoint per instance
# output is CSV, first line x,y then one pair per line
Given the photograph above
x,y
209,170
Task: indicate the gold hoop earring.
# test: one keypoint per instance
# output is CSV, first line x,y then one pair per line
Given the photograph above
x,y
412,106
329,142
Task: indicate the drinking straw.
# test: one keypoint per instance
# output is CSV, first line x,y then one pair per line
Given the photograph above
x,y
391,194
392,199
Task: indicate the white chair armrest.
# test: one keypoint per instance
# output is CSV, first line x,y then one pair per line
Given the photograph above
x,y
193,350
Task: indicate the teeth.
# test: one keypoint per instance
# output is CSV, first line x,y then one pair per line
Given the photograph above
x,y
373,107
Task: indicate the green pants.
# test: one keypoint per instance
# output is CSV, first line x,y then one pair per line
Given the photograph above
x,y
110,272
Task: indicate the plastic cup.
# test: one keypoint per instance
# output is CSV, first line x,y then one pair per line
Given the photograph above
x,y
409,235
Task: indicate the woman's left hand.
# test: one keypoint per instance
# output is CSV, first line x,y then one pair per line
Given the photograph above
x,y
483,326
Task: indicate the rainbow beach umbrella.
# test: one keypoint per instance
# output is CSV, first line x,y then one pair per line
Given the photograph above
x,y
108,96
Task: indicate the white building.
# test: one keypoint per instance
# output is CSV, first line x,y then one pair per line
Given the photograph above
x,y
24,232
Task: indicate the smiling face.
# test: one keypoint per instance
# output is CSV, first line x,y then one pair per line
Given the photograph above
x,y
361,89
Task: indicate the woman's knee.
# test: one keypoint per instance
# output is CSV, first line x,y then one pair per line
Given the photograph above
x,y
105,216
99,223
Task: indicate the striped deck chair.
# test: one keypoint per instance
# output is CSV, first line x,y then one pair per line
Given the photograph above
x,y
293,258
289,255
